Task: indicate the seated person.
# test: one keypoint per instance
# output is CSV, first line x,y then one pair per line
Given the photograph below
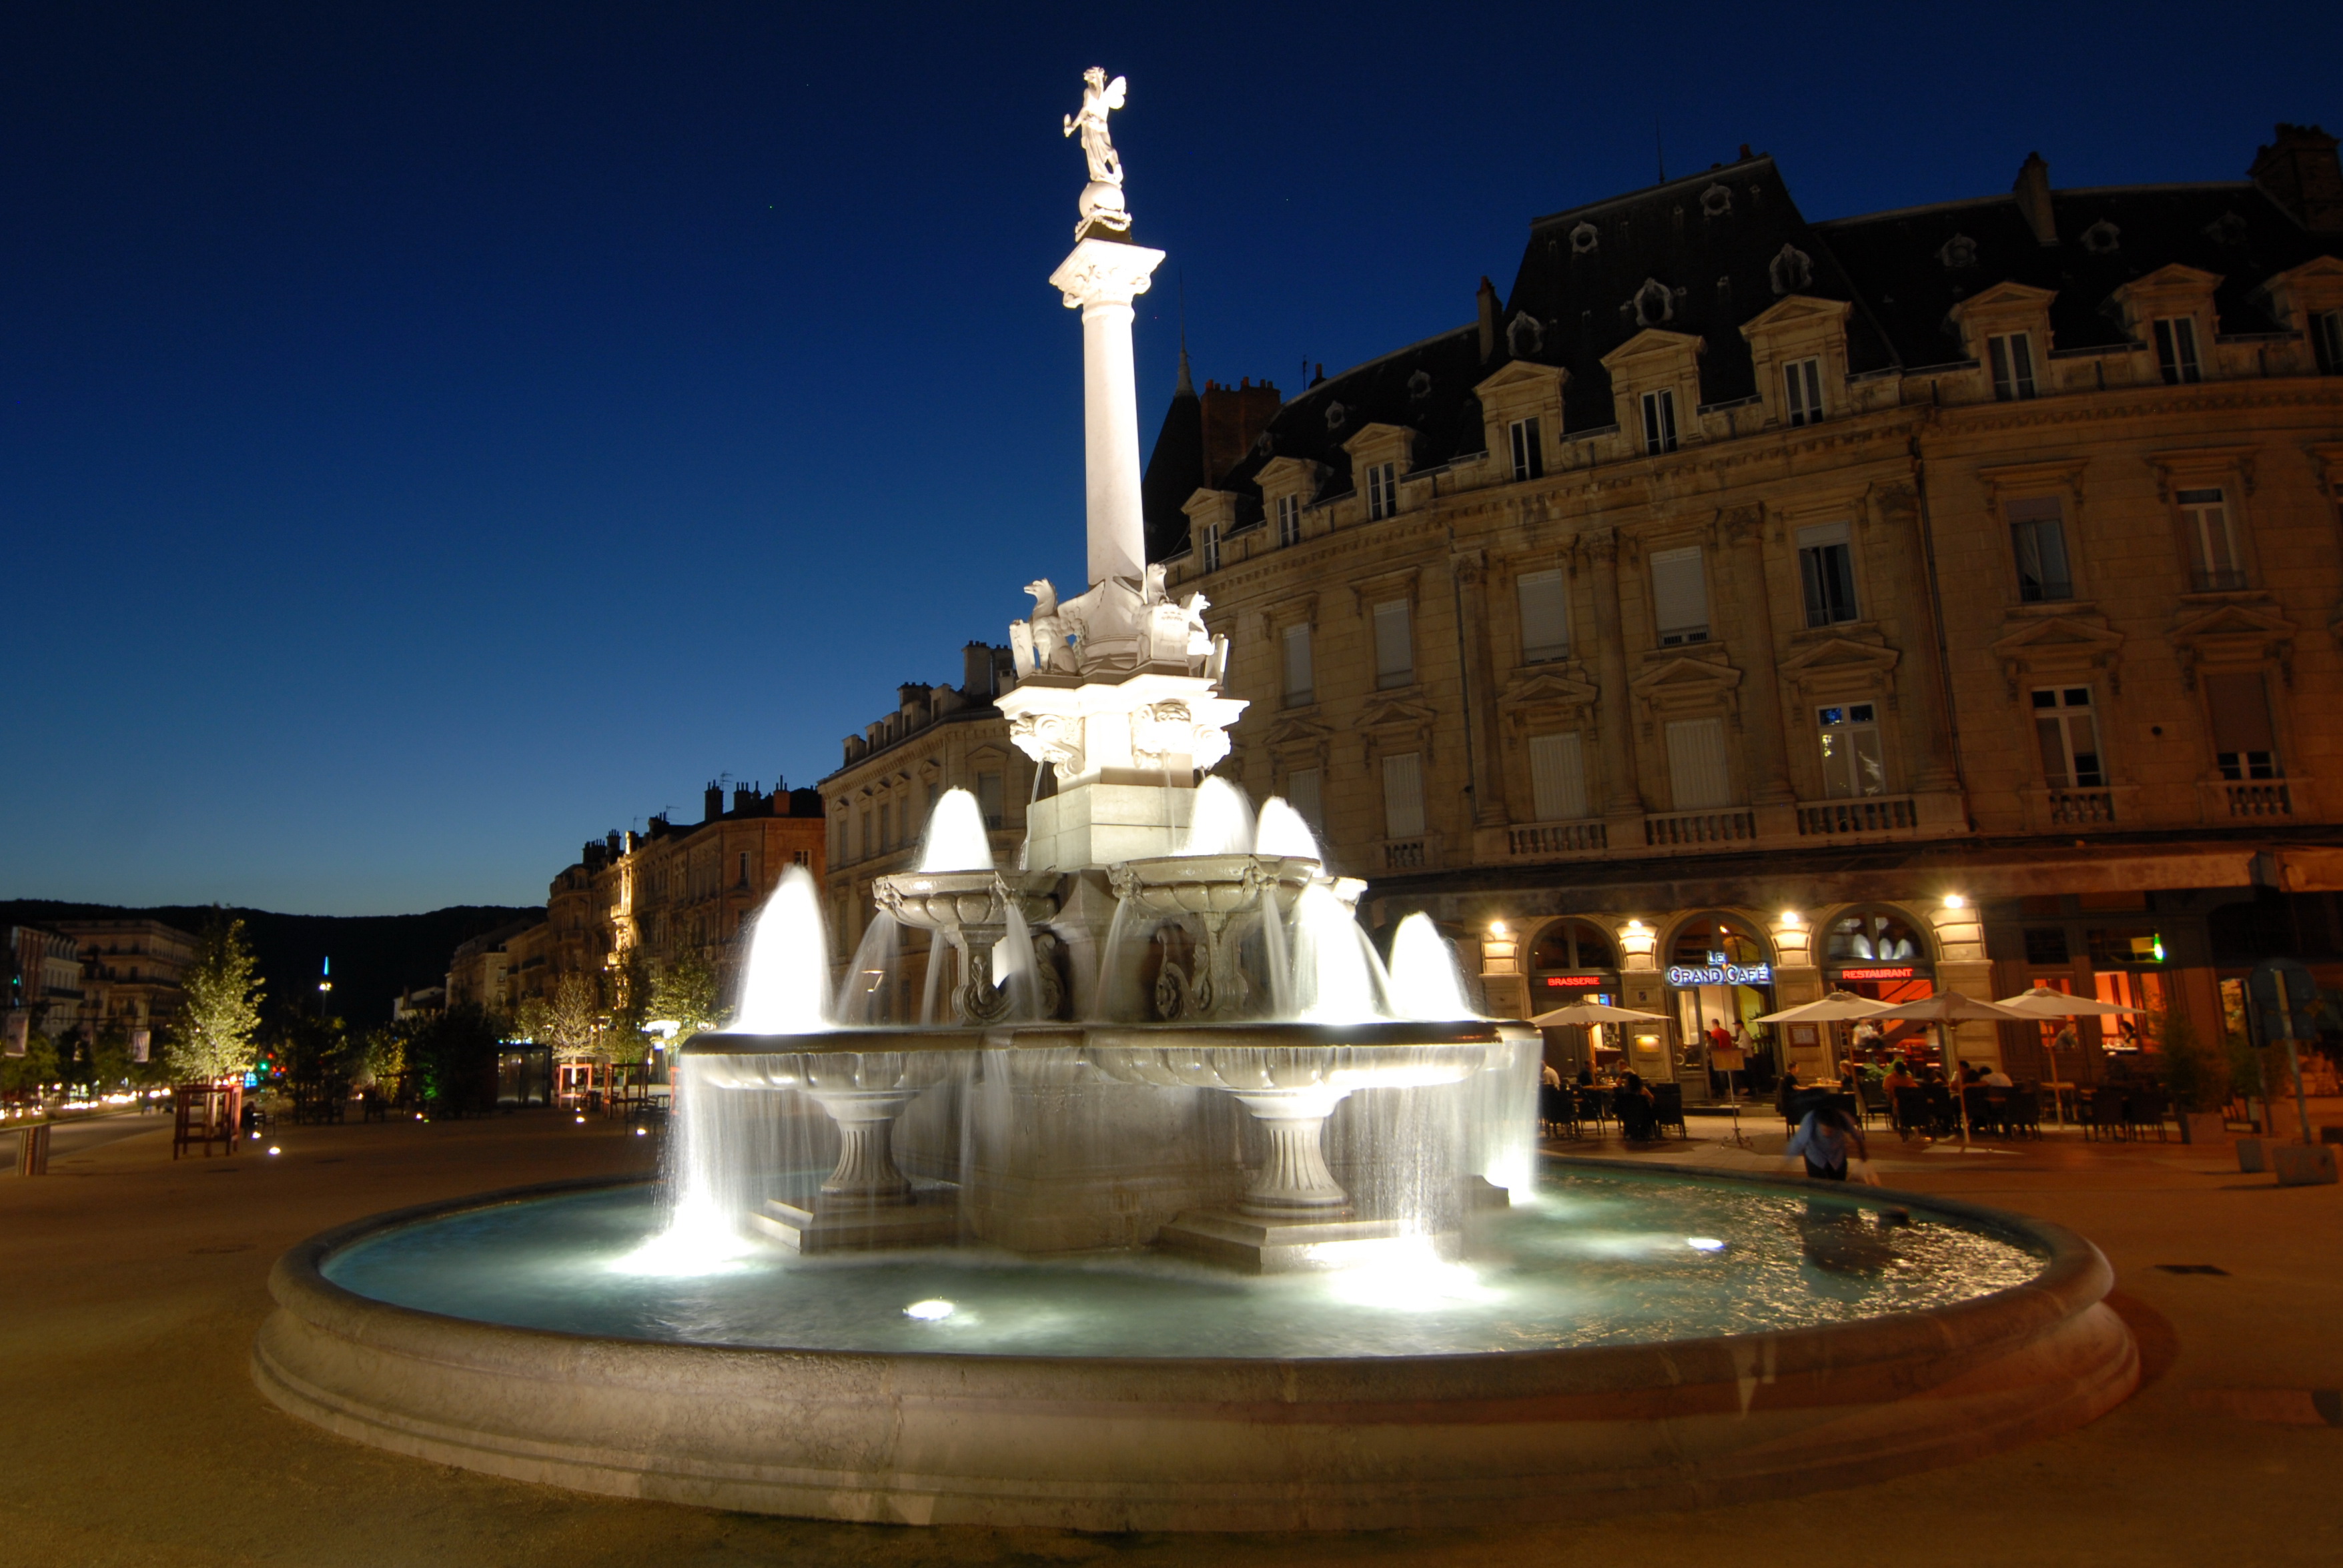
x,y
1996,1079
1585,1076
1638,1113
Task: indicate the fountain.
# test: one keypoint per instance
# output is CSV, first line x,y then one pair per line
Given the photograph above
x,y
1174,1206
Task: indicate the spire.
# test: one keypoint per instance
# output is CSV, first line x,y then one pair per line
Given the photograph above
x,y
1187,387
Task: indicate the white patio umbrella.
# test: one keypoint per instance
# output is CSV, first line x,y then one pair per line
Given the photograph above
x,y
1952,1007
1835,1008
2044,1002
1595,1013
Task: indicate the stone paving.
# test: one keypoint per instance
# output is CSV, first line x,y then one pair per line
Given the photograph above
x,y
133,1286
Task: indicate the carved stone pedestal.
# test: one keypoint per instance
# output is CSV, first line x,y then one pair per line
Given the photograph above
x,y
825,1224
1260,1245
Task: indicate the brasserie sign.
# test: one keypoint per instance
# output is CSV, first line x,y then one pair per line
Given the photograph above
x,y
1684,976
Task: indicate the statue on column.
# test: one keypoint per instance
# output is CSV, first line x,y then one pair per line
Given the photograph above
x,y
1102,203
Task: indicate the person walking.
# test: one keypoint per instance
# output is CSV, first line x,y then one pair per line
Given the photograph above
x,y
1824,1140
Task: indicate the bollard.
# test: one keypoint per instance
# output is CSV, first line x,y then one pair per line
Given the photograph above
x,y
33,1150
2249,1155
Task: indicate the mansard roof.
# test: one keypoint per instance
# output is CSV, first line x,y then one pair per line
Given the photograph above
x,y
1915,266
1706,255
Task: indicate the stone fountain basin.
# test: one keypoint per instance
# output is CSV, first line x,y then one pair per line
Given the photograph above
x,y
1211,884
948,901
1101,1443
1192,1038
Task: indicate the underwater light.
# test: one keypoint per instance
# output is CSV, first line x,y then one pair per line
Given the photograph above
x,y
1703,1243
273,1149
929,1311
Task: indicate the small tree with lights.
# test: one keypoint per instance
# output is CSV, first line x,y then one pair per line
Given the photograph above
x,y
212,1039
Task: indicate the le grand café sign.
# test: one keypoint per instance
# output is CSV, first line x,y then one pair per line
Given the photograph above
x,y
1716,971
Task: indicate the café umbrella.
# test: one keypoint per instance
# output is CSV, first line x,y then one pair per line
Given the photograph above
x,y
1595,1013
1951,1007
2044,1002
1836,1008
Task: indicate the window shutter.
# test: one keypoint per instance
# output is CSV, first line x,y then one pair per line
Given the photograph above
x,y
1546,616
1394,649
1679,593
1299,681
1696,773
2241,716
1403,796
1301,794
1557,778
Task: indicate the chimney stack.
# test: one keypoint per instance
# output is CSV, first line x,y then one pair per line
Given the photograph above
x,y
2033,193
976,671
611,841
2299,172
743,796
1488,303
712,803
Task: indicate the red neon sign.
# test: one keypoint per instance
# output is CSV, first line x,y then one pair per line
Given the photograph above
x,y
1906,972
1587,982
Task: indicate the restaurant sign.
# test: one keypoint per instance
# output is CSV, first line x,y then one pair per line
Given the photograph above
x,y
1893,971
1684,976
1584,982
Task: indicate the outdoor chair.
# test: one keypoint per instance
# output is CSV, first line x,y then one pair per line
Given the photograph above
x,y
2100,1112
1558,1110
1667,1108
1594,1105
2143,1108
2023,1113
1871,1099
1912,1114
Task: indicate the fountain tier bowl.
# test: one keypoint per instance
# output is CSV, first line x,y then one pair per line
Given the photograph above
x,y
507,1334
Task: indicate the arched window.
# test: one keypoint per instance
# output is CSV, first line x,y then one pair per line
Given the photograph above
x,y
1574,945
1701,941
1876,935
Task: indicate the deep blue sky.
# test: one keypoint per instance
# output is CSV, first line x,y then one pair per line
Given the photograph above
x,y
431,436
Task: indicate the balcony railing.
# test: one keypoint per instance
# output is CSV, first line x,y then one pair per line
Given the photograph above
x,y
1406,854
1859,814
1585,836
1691,829
2081,808
2261,798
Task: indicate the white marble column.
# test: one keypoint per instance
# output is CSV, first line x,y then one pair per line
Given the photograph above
x,y
1101,279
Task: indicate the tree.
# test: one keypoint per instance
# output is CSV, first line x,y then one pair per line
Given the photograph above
x,y
33,1071
2196,1076
570,1020
213,1036
110,1063
532,1020
684,993
453,1057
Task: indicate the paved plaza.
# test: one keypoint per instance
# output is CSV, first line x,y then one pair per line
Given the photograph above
x,y
134,1286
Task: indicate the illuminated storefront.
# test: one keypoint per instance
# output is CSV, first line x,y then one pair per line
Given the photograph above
x,y
1720,975
1574,960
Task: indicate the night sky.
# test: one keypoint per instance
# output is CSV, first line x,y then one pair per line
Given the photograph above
x,y
432,436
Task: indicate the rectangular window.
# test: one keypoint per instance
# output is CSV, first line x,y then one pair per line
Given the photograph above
x,y
2012,357
744,868
1529,452
2213,564
887,825
1557,778
1659,422
1403,796
1289,520
1697,772
1679,597
1826,567
2037,535
868,847
1301,794
1394,646
2245,743
2069,735
1803,390
1300,683
1382,491
2327,339
988,801
1545,600
1212,547
1853,761
2176,349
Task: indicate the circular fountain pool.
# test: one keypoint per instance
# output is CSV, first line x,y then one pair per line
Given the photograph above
x,y
1626,1338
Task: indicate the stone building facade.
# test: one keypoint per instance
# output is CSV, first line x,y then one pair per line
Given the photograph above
x,y
1744,606
938,737
130,974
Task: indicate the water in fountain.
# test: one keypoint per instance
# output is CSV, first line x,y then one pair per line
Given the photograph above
x,y
1014,968
866,992
1219,822
785,984
1337,978
1424,983
1282,831
956,839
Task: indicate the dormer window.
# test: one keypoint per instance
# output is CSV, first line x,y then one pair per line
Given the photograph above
x,y
1653,303
1382,491
1212,547
1957,253
1659,422
1419,386
1582,239
2176,349
2012,357
1529,451
1717,201
1289,520
1525,336
1803,391
2102,238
